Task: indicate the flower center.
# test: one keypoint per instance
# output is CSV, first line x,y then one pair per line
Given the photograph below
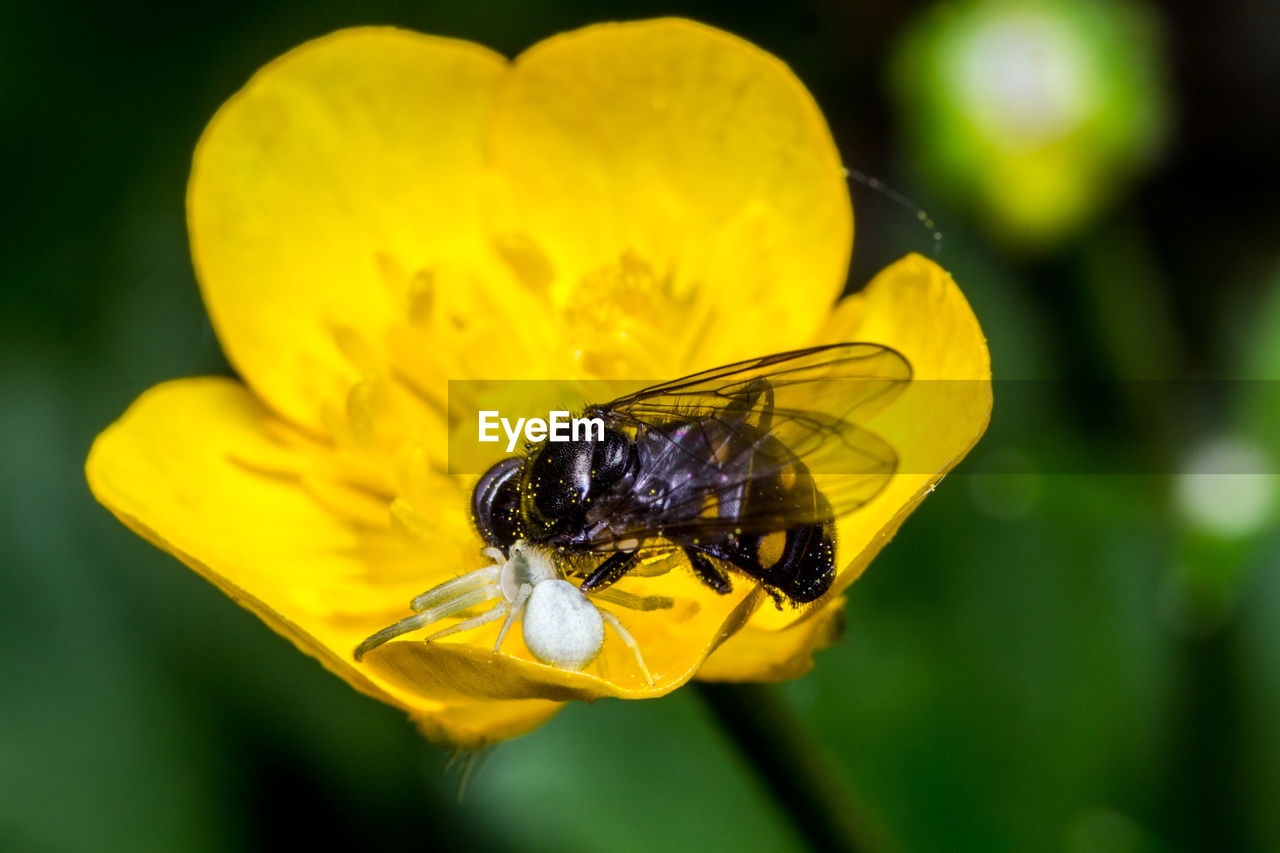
x,y
625,319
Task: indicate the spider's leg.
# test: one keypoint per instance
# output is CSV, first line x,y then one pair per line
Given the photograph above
x,y
467,599
404,626
652,568
517,611
456,586
631,601
610,571
496,612
625,636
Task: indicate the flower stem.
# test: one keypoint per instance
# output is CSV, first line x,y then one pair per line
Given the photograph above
x,y
792,764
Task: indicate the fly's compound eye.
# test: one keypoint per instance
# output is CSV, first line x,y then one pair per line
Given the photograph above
x,y
495,504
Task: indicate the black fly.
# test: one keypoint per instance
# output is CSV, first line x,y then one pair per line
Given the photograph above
x,y
743,467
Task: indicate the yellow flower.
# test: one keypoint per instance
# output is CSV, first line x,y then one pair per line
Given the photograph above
x,y
379,211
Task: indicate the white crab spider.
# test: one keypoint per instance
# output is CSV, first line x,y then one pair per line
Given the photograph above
x,y
561,626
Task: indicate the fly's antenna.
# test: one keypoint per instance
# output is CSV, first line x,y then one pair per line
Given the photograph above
x,y
899,199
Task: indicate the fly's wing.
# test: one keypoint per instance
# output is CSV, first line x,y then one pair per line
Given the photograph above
x,y
759,445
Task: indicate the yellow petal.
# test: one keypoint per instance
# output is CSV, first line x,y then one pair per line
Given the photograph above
x,y
473,725
184,468
350,155
684,173
915,307
762,654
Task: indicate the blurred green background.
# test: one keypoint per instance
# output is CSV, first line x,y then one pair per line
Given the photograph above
x,y
1057,653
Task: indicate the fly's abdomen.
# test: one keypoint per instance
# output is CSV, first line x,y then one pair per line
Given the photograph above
x,y
796,560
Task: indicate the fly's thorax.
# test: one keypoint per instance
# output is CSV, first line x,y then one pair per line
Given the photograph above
x,y
562,481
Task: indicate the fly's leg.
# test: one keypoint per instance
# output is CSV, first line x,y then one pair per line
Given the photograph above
x,y
610,571
708,572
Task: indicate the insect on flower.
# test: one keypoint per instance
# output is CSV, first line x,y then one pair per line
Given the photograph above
x,y
720,465
560,625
